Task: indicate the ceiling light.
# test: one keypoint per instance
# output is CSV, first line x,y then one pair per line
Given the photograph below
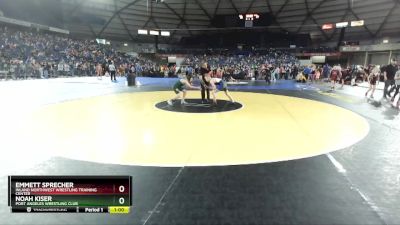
x,y
342,24
165,33
154,32
357,23
142,32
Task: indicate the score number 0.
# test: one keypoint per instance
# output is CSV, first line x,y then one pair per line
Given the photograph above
x,y
121,200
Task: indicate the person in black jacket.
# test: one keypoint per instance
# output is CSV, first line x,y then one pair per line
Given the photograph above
x,y
205,71
388,74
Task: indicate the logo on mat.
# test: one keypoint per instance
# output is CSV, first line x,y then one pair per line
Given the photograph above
x,y
197,106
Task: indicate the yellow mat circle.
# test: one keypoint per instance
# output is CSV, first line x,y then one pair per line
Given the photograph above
x,y
127,129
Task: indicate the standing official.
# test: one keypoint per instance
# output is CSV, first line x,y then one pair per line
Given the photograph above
x,y
388,74
204,72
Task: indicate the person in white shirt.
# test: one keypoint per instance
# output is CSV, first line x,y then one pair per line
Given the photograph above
x,y
274,74
112,70
60,68
66,69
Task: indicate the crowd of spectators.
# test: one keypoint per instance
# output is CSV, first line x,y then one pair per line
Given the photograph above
x,y
41,55
251,66
28,53
351,75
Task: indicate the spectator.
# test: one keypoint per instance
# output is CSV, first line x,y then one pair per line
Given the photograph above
x,y
112,69
389,72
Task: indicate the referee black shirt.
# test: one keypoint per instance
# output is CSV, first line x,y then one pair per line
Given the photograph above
x,y
390,71
203,72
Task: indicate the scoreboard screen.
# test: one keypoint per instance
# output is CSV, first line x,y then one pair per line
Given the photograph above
x,y
249,17
240,20
69,194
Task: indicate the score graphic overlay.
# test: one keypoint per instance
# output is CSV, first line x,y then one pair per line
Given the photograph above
x,y
69,194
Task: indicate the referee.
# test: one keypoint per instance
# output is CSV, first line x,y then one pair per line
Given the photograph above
x,y
204,71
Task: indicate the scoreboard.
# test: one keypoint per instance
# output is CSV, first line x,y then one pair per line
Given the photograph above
x,y
249,18
69,194
240,20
